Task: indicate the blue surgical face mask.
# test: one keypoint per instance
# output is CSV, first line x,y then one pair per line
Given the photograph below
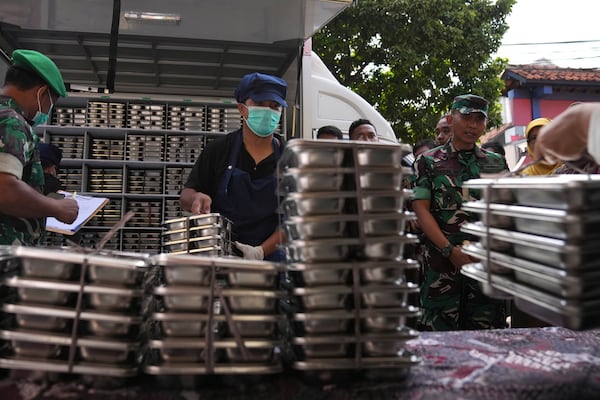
x,y
41,118
262,120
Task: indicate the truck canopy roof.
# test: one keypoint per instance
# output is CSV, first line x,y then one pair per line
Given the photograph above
x,y
169,47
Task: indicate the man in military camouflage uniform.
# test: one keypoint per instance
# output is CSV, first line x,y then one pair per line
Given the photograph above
x,y
451,301
32,85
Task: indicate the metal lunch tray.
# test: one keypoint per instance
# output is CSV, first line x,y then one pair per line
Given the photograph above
x,y
312,179
99,297
315,203
102,264
336,297
565,192
371,178
93,349
86,368
317,227
193,324
192,350
370,271
197,220
568,283
222,369
572,314
385,201
559,224
188,269
319,153
391,319
240,300
405,360
102,323
548,251
194,232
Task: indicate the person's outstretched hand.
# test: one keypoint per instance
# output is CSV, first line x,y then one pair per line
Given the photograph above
x,y
250,252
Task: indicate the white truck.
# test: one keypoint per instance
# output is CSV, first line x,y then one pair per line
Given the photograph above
x,y
190,51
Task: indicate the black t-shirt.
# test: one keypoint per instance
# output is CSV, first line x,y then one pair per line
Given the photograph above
x,y
214,159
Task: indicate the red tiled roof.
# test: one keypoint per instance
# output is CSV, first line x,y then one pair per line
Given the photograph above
x,y
546,73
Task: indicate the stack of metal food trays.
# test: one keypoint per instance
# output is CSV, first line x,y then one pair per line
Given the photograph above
x,y
540,244
204,234
343,208
214,315
72,311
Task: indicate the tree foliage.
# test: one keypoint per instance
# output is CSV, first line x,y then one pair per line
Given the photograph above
x,y
410,58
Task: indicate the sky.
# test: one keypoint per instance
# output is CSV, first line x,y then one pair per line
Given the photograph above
x,y
538,29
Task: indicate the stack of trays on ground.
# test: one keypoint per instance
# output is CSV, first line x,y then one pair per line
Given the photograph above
x,y
73,312
345,225
205,234
540,244
214,315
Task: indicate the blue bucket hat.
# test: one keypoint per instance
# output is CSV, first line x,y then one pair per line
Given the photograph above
x,y
261,87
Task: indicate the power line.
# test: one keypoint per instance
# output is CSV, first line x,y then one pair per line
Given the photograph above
x,y
544,43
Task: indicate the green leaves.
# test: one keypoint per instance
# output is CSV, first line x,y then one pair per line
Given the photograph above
x,y
411,58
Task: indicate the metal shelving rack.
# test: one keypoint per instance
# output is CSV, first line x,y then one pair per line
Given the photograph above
x,y
136,153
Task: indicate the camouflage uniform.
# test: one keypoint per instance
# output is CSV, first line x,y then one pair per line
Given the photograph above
x,y
450,300
19,144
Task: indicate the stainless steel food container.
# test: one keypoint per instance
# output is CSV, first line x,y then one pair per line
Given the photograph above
x,y
565,192
382,156
198,221
384,201
319,203
191,270
303,154
325,350
253,355
312,179
386,247
319,322
387,295
381,179
324,297
323,250
386,224
389,320
34,350
559,224
322,274
549,251
387,272
317,227
193,232
178,298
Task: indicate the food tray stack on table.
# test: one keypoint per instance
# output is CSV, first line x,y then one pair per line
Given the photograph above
x,y
344,217
213,315
205,234
539,244
72,311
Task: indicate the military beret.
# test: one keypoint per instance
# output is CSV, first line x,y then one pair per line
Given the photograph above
x,y
43,67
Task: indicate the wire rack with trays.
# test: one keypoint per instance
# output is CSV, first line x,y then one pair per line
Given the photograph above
x,y
133,150
351,296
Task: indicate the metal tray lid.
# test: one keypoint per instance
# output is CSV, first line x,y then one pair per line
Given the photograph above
x,y
205,291
528,212
404,263
63,366
554,182
107,343
407,311
74,256
62,312
193,317
590,272
405,360
542,242
199,343
232,263
559,304
402,335
32,283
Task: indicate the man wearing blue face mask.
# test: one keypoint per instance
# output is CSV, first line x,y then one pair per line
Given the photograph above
x,y
31,87
235,175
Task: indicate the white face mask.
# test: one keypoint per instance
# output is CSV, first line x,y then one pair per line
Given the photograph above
x,y
41,118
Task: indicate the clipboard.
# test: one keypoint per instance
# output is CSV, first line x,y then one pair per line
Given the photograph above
x,y
88,207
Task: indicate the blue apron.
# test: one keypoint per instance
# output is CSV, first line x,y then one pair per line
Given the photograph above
x,y
250,204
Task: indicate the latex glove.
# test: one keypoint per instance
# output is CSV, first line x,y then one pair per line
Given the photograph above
x,y
251,252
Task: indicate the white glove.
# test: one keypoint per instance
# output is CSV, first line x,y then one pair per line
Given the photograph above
x,y
251,252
